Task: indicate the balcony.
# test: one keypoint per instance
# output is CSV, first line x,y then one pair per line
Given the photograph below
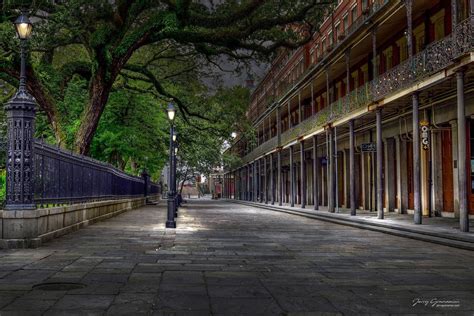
x,y
373,9
435,58
261,150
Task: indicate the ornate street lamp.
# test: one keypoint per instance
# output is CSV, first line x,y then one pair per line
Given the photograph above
x,y
20,112
171,223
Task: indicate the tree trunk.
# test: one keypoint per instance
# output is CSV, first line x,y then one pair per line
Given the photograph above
x,y
99,92
98,96
182,183
46,103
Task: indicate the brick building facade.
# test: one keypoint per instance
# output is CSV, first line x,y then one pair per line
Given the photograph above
x,y
375,113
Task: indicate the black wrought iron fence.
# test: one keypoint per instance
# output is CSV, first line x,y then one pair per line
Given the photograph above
x,y
62,177
3,150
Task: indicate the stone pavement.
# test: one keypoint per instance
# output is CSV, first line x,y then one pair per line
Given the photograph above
x,y
231,259
441,230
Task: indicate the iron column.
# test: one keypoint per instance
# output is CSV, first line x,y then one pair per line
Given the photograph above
x,y
379,164
292,179
265,182
249,183
416,160
272,182
462,177
302,175
330,164
254,181
315,173
352,167
280,186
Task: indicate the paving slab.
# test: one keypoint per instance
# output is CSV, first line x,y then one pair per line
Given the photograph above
x,y
440,230
233,259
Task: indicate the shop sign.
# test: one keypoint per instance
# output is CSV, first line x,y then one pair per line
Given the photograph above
x,y
368,147
425,135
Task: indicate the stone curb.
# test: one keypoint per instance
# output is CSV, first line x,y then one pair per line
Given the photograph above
x,y
437,238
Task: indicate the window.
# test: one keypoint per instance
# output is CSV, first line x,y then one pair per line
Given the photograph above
x,y
346,22
313,56
365,5
354,13
331,39
463,10
438,24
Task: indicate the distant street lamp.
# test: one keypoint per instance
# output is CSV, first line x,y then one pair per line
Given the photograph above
x,y
234,135
171,223
171,112
21,113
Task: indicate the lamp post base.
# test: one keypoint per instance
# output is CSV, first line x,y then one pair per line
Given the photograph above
x,y
170,224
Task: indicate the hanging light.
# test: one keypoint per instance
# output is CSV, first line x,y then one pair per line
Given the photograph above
x,y
23,27
175,136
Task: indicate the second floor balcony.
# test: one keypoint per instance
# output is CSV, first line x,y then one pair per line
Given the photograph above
x,y
429,65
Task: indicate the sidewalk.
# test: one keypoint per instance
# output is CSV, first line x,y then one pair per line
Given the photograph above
x,y
439,230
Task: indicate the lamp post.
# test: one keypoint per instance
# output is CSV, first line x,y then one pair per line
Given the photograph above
x,y
171,223
175,189
175,183
20,112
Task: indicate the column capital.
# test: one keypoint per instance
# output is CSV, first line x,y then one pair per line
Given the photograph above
x,y
460,72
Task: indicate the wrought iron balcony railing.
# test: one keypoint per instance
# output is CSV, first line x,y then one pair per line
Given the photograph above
x,y
264,148
353,28
434,58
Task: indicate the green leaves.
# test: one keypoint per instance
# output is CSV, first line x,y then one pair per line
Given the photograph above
x,y
91,60
132,133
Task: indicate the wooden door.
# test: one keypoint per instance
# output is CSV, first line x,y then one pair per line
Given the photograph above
x,y
411,199
447,171
470,162
340,179
384,174
358,175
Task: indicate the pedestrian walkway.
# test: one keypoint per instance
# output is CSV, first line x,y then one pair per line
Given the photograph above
x,y
232,259
440,230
